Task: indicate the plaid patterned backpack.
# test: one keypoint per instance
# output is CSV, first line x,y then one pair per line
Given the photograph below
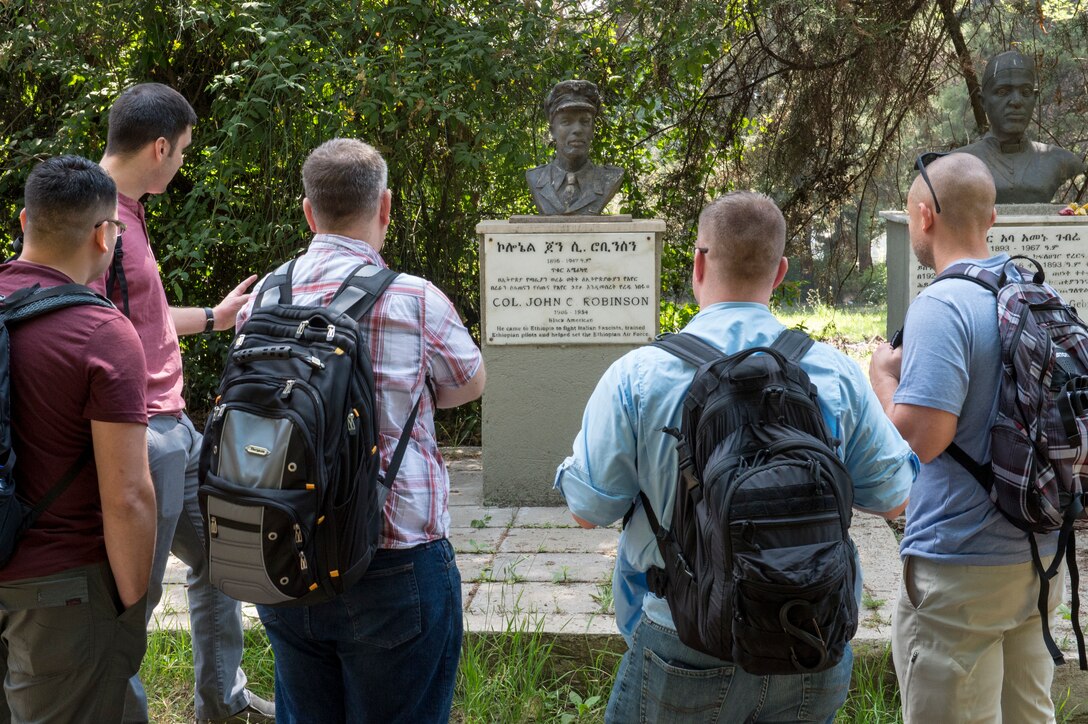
x,y
1038,474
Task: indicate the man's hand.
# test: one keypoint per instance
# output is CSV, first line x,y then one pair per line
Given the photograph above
x,y
886,362
227,310
192,320
884,370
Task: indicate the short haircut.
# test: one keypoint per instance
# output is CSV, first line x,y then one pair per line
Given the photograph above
x,y
344,179
65,197
145,113
745,233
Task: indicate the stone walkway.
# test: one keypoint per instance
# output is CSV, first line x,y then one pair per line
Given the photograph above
x,y
536,564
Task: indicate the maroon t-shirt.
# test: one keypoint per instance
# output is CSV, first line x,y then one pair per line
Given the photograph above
x,y
67,368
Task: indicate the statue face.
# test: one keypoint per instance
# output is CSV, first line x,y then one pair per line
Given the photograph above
x,y
573,134
1009,103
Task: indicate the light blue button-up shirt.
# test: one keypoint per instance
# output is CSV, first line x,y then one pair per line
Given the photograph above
x,y
621,449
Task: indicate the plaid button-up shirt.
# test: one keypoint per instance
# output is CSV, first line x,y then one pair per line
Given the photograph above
x,y
414,334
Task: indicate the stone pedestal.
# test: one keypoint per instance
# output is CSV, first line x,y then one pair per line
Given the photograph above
x,y
1058,243
561,299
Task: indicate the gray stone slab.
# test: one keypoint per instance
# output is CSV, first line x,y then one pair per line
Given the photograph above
x,y
176,571
554,624
466,488
544,517
561,540
555,568
507,599
474,567
481,516
880,572
475,540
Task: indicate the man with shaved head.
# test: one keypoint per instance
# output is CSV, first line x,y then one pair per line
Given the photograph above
x,y
966,632
622,451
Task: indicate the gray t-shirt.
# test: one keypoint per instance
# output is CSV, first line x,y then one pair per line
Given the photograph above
x,y
952,362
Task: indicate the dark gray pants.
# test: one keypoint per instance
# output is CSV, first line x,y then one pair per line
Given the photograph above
x,y
65,649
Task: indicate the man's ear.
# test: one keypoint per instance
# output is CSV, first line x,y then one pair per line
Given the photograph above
x,y
385,207
162,148
308,212
925,213
101,241
783,267
22,219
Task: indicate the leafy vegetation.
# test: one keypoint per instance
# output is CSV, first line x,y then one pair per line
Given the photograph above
x,y
822,105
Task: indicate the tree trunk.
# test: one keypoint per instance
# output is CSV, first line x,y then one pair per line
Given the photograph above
x,y
967,67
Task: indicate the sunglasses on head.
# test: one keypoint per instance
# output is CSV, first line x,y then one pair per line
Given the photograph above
x,y
920,163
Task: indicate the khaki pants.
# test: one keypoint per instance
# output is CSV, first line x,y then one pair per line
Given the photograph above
x,y
68,651
968,646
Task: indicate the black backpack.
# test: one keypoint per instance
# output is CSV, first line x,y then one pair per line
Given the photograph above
x,y
289,471
16,515
759,567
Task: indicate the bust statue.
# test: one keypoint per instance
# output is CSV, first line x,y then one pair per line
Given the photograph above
x,y
1024,171
570,184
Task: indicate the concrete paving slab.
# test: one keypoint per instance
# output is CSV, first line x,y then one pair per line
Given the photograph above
x,y
474,567
529,599
551,517
561,540
557,568
466,488
476,540
481,516
557,624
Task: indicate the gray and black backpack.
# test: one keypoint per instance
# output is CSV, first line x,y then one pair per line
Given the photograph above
x,y
1038,473
759,567
290,483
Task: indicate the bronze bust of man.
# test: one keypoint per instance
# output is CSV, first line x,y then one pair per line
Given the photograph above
x,y
570,184
1024,171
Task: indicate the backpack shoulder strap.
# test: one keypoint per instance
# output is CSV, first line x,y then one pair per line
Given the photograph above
x,y
276,287
688,347
972,273
793,344
357,295
115,277
31,302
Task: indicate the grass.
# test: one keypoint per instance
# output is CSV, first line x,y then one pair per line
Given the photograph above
x,y
856,324
167,672
518,675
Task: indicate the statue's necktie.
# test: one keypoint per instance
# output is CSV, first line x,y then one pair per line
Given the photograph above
x,y
570,189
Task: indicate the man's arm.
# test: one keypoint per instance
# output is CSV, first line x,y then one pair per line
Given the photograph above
x,y
128,504
456,396
192,320
927,430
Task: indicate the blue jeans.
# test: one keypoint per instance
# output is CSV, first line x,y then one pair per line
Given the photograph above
x,y
385,650
215,620
661,680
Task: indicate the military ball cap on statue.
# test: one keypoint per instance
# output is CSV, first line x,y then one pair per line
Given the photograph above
x,y
1006,62
570,184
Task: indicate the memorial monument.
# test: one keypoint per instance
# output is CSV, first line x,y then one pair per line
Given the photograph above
x,y
563,294
1024,171
570,183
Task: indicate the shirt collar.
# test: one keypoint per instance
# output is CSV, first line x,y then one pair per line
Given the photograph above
x,y
131,204
559,176
715,314
346,245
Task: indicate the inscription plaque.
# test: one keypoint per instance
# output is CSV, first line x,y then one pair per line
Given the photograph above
x,y
575,288
1059,249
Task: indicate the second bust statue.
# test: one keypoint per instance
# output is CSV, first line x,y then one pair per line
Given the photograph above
x,y
570,183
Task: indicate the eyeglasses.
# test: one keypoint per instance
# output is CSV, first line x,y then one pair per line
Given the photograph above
x,y
122,227
920,163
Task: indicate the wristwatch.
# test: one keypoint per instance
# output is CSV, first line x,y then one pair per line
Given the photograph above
x,y
209,325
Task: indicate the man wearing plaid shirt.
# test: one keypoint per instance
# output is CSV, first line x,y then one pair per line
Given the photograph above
x,y
386,649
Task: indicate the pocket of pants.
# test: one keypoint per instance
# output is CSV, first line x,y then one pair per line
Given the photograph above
x,y
914,594
51,641
384,607
674,692
130,640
